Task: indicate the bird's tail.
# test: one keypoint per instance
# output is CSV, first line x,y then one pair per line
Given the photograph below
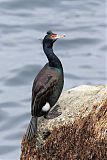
x,y
32,128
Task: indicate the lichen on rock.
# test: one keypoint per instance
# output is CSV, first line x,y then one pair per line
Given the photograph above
x,y
79,133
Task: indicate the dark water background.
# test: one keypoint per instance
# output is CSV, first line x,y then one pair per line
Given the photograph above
x,y
82,52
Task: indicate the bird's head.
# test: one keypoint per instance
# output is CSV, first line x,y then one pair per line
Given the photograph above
x,y
51,37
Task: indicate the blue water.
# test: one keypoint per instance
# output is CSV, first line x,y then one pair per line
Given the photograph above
x,y
82,52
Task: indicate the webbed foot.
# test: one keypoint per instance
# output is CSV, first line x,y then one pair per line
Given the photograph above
x,y
53,113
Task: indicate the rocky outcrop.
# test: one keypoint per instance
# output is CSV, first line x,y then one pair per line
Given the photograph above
x,y
79,133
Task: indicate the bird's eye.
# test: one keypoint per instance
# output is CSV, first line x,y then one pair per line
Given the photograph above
x,y
53,36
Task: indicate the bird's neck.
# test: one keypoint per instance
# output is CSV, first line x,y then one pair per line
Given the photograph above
x,y
52,58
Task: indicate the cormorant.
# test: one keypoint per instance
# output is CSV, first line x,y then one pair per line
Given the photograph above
x,y
47,85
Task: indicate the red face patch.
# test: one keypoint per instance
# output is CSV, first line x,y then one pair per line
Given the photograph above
x,y
53,36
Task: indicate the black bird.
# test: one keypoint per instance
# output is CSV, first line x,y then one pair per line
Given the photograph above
x,y
47,85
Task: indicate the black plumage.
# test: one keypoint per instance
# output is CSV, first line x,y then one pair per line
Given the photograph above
x,y
47,85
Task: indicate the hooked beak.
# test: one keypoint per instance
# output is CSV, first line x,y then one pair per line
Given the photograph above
x,y
60,36
56,36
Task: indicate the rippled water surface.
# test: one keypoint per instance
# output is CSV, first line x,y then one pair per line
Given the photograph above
x,y
82,52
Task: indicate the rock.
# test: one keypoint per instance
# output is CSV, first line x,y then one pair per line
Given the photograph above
x,y
79,133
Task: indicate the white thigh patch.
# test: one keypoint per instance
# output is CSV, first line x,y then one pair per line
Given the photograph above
x,y
46,107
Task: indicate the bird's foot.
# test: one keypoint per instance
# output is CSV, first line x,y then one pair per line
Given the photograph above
x,y
53,113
